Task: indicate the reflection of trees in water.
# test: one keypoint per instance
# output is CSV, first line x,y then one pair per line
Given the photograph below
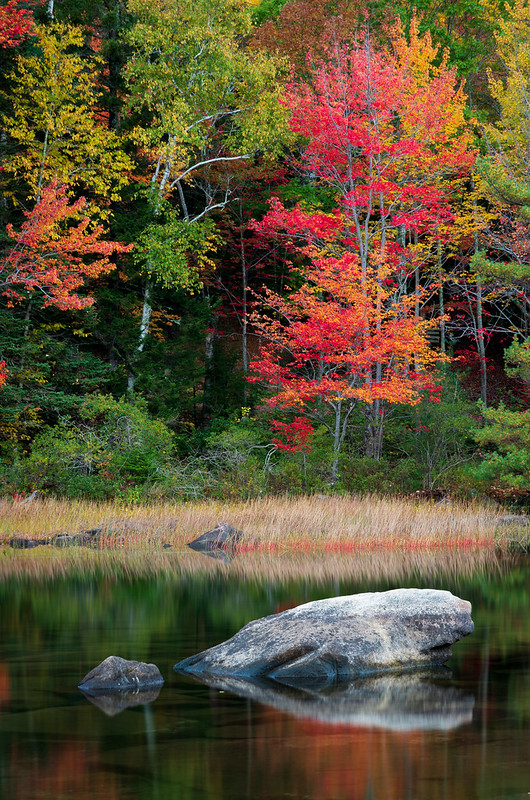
x,y
92,615
68,770
204,745
216,747
5,685
317,759
356,762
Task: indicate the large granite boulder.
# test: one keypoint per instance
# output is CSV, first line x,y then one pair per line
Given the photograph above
x,y
341,638
116,674
223,536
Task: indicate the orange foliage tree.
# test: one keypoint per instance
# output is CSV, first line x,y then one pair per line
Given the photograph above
x,y
384,140
55,251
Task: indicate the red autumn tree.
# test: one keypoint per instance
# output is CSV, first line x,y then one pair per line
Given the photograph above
x,y
55,251
15,24
384,142
341,339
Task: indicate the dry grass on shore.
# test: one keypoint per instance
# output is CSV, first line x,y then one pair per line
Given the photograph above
x,y
312,523
316,538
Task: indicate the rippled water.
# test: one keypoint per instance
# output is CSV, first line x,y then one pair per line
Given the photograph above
x,y
462,735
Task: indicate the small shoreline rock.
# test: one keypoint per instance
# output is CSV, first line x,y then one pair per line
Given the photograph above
x,y
222,537
83,539
21,543
518,520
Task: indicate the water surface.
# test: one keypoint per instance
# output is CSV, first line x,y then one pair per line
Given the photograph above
x,y
462,735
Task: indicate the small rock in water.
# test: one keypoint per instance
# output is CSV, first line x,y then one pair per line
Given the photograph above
x,y
341,638
222,536
116,674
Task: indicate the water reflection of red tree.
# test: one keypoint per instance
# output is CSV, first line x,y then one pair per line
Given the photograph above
x,y
5,686
313,759
70,770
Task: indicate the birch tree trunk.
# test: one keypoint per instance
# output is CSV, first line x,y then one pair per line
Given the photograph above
x,y
481,345
336,444
142,335
209,352
441,304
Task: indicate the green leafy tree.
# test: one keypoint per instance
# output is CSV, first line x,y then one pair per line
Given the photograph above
x,y
503,259
504,472
198,102
517,359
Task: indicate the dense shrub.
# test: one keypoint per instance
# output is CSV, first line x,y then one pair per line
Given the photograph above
x,y
107,447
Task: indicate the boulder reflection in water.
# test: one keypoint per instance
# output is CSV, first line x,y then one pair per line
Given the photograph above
x,y
116,702
404,702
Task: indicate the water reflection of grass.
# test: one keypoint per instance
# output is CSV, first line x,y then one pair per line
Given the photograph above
x,y
320,567
318,537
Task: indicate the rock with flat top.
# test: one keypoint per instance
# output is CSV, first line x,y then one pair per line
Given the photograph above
x,y
341,638
116,674
19,543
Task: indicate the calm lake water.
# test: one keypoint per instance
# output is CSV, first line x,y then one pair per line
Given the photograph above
x,y
463,735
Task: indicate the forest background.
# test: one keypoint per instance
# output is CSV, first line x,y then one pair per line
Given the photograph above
x,y
274,247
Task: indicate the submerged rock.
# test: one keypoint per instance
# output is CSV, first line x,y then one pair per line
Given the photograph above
x,y
404,702
341,638
116,674
519,520
20,543
83,539
223,536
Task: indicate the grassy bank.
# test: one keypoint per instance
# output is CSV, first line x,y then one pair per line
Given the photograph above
x,y
315,537
304,524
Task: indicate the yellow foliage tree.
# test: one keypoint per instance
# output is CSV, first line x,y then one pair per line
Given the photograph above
x,y
53,123
503,260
